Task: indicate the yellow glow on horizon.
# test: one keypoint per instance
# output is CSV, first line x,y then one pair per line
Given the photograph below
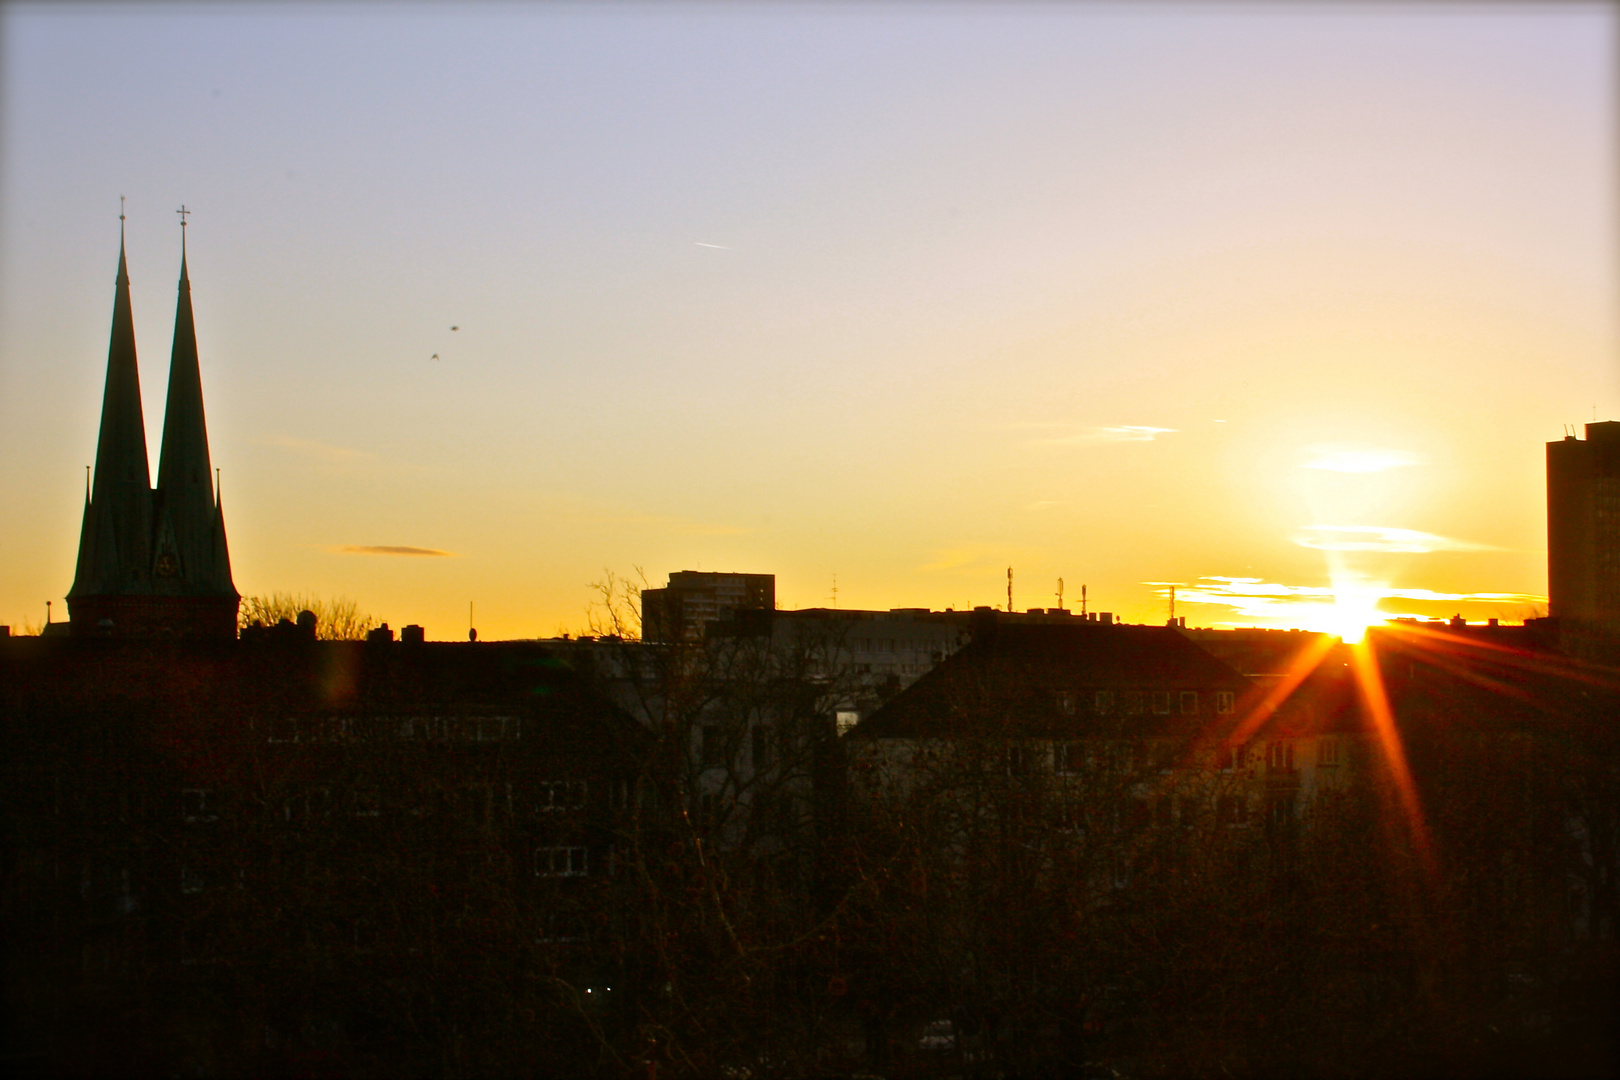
x,y
1355,608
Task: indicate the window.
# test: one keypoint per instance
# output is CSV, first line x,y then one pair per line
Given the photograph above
x,y
1282,811
560,862
1133,703
1072,816
1104,703
1161,703
1231,810
618,794
710,809
197,804
1186,810
367,804
764,749
1229,757
1189,703
846,719
1281,757
1068,758
1017,758
1224,702
191,882
1327,752
558,795
561,928
712,745
1066,702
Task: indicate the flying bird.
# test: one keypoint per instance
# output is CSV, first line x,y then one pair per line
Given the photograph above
x,y
435,356
455,328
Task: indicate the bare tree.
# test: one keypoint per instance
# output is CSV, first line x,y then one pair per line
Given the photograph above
x,y
337,618
616,612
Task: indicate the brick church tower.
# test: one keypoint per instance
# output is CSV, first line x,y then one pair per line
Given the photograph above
x,y
153,561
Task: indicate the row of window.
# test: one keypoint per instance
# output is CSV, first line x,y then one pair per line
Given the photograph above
x,y
1078,757
567,860
715,746
1143,702
202,805
326,729
1163,813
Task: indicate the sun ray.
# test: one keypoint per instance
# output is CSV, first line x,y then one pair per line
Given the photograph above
x,y
1268,699
1374,699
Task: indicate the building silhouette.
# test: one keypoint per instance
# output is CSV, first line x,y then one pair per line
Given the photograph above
x,y
694,600
153,561
1583,526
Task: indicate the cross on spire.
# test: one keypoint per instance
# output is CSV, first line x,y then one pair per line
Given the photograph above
x,y
183,212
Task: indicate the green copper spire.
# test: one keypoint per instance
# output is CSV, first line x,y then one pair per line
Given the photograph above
x,y
189,556
113,542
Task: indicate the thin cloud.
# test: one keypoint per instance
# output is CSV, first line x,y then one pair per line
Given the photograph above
x,y
1381,538
1345,459
1119,433
391,549
1255,598
717,247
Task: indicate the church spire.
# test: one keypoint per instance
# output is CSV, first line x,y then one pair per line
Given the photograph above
x,y
113,552
184,459
189,557
121,448
153,562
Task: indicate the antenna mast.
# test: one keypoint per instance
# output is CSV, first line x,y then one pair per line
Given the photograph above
x,y
1082,601
1060,594
1009,590
1172,605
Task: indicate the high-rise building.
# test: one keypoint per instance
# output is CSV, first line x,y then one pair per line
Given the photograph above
x,y
1583,526
694,600
153,561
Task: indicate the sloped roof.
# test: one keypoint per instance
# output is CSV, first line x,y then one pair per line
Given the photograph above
x,y
1011,679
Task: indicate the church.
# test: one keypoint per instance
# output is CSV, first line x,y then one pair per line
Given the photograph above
x,y
153,561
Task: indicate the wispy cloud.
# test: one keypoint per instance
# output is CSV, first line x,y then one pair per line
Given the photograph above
x,y
390,549
1380,538
1350,459
1119,433
1255,598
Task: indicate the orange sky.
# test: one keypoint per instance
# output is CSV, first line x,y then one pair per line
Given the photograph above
x,y
1232,298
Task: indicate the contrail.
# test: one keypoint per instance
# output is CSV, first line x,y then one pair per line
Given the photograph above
x,y
722,247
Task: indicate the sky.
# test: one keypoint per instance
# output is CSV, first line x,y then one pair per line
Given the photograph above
x,y
1260,301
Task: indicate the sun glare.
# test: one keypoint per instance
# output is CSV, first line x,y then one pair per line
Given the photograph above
x,y
1354,610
